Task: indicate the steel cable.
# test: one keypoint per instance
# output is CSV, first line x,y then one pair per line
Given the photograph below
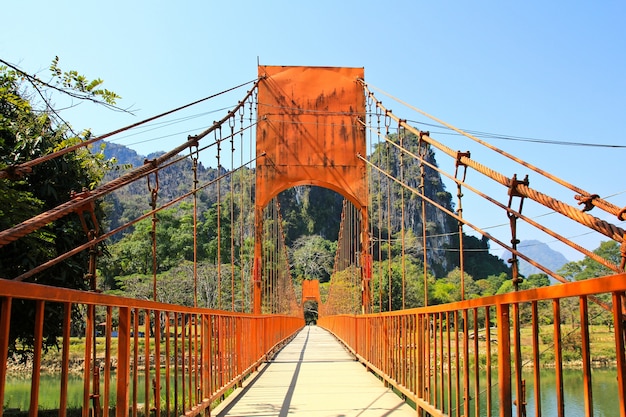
x,y
555,235
585,196
26,166
16,232
607,229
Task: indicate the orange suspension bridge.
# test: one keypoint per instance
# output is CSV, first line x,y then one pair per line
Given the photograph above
x,y
318,126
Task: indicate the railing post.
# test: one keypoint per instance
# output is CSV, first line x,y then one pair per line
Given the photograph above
x,y
586,356
88,360
619,348
466,377
504,360
420,360
65,358
206,356
38,333
123,362
239,344
5,324
558,358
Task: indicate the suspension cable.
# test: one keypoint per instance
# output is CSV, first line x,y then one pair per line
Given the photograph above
x,y
193,151
27,166
402,225
232,215
422,158
530,221
380,216
14,233
389,224
242,210
105,236
459,194
154,192
581,217
218,140
455,216
585,197
513,224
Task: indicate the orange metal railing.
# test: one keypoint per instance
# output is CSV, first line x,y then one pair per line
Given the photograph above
x,y
157,358
477,357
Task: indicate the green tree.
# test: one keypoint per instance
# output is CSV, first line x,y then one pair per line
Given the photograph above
x,y
588,268
133,253
310,210
210,233
537,281
30,128
478,262
491,284
312,257
387,277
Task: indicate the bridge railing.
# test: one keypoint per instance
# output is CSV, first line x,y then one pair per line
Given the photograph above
x,y
478,357
147,357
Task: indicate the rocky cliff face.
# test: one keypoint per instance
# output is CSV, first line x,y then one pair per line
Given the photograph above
x,y
314,210
387,197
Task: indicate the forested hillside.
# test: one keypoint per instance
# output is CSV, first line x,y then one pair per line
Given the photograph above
x,y
311,218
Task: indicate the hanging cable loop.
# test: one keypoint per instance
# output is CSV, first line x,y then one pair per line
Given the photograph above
x,y
89,207
622,264
154,190
153,163
513,192
459,161
377,110
194,152
154,193
459,212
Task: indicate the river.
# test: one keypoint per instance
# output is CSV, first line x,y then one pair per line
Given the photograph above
x,y
604,385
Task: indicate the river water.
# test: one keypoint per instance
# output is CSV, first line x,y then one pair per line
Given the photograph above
x,y
604,385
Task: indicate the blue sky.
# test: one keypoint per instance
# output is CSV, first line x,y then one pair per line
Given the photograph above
x,y
546,70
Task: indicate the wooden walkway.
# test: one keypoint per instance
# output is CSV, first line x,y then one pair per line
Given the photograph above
x,y
313,376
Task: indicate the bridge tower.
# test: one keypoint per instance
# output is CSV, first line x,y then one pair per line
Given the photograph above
x,y
309,132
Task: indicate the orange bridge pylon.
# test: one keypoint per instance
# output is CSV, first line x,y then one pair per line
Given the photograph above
x,y
310,133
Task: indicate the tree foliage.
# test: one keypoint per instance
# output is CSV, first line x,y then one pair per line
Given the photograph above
x,y
312,257
30,128
588,268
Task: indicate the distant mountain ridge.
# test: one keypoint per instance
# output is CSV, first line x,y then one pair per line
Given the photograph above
x,y
123,154
539,252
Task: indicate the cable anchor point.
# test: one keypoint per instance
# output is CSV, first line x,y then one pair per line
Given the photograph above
x,y
587,202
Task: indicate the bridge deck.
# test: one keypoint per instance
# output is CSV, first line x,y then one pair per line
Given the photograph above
x,y
313,376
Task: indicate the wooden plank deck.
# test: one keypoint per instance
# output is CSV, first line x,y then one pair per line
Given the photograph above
x,y
313,376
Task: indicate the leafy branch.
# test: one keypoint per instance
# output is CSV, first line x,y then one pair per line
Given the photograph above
x,y
71,84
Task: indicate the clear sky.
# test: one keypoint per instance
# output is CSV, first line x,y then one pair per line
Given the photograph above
x,y
554,71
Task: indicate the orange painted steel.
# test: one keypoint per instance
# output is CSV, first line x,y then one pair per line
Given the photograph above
x,y
311,291
188,357
443,357
309,132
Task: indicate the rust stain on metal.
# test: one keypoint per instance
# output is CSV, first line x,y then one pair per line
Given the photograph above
x,y
309,131
309,134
